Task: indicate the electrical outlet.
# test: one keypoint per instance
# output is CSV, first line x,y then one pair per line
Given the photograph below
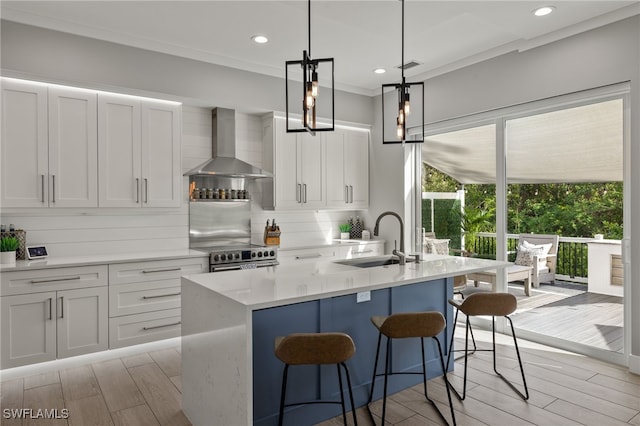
x,y
363,296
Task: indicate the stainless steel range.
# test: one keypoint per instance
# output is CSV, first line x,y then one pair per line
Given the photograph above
x,y
224,259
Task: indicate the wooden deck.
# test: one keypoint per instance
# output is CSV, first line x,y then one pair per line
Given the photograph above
x,y
567,311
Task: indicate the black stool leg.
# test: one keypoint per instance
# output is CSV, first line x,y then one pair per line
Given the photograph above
x,y
387,363
444,375
466,356
353,405
344,411
283,393
373,379
453,332
524,381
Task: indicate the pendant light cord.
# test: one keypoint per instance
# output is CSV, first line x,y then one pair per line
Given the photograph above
x,y
309,23
402,63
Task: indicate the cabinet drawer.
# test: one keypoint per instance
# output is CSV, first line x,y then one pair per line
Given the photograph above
x,y
123,273
142,328
137,298
23,282
307,255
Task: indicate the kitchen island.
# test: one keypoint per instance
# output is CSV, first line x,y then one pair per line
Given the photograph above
x,y
230,319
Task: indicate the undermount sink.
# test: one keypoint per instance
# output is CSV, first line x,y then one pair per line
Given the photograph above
x,y
370,262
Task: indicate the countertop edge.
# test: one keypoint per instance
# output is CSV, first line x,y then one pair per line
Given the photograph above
x,y
66,262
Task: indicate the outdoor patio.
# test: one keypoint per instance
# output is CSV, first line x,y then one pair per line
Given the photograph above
x,y
567,311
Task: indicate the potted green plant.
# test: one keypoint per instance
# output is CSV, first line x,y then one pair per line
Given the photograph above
x,y
8,247
345,228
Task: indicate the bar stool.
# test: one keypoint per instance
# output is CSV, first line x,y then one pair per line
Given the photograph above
x,y
409,325
316,348
487,304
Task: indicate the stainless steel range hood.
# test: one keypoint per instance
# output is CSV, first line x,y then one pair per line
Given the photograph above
x,y
224,162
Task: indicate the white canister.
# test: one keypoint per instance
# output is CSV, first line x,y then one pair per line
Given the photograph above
x,y
366,235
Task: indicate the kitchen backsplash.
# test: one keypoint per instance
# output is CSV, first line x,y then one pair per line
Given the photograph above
x,y
77,232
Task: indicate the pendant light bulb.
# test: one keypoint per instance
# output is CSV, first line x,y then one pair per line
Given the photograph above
x,y
400,131
407,102
314,84
401,116
309,98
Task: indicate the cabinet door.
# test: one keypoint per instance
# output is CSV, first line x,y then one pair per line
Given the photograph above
x,y
24,150
119,152
337,189
28,329
356,165
287,182
161,176
73,148
311,170
82,321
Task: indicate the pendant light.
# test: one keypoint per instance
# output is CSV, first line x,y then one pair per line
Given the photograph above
x,y
311,98
408,107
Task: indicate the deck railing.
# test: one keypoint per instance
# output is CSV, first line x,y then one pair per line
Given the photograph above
x,y
572,254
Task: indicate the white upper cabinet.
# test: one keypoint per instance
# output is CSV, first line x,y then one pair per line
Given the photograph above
x,y
73,148
161,159
70,147
326,171
298,166
24,149
139,153
347,169
49,146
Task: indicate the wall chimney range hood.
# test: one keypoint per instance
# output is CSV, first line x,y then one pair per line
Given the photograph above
x,y
224,162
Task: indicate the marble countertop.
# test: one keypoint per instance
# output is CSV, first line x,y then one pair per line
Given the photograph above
x,y
62,262
286,284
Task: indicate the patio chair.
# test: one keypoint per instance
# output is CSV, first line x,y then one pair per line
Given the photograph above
x,y
540,253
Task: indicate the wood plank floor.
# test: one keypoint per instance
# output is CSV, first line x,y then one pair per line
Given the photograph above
x,y
144,389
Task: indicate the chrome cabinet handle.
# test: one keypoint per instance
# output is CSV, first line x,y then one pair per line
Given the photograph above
x,y
50,308
137,190
362,251
304,185
42,184
299,193
163,325
146,190
61,307
51,280
346,193
161,295
53,186
351,187
152,271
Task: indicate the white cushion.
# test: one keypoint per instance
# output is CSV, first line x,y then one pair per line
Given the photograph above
x,y
525,255
546,248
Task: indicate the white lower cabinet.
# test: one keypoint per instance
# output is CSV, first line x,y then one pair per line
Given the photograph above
x,y
45,325
144,299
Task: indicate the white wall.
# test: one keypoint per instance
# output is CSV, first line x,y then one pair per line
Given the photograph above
x,y
41,54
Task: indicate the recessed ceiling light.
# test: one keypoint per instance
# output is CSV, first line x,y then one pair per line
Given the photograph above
x,y
260,39
379,70
543,11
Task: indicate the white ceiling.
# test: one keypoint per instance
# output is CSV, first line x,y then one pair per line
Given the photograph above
x,y
361,35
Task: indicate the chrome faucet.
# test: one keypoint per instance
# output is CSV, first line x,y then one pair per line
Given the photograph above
x,y
400,253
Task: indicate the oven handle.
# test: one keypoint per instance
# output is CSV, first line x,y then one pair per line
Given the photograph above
x,y
224,268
